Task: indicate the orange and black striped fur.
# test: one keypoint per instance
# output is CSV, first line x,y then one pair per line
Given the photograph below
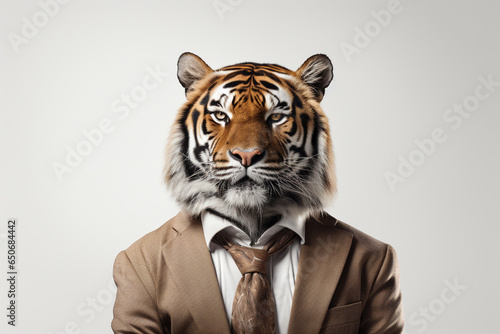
x,y
252,143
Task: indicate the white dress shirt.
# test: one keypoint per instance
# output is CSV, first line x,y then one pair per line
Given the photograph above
x,y
281,267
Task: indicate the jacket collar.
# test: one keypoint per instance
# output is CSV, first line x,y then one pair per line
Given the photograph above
x,y
188,259
321,262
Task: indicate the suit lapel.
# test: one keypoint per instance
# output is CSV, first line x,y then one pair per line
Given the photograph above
x,y
188,259
321,262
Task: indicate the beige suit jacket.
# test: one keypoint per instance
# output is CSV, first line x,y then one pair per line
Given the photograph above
x,y
347,282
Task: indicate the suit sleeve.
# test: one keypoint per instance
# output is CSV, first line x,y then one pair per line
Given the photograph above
x,y
135,310
383,310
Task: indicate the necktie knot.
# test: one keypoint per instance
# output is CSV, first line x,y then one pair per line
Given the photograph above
x,y
249,260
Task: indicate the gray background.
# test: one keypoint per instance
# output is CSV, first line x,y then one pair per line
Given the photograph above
x,y
395,90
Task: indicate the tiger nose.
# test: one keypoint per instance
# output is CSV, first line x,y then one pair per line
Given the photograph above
x,y
246,158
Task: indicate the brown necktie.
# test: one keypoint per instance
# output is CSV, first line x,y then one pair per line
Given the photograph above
x,y
253,305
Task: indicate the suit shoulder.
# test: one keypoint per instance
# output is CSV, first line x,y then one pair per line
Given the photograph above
x,y
362,243
149,247
367,254
362,239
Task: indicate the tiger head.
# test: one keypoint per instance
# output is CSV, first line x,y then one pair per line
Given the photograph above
x,y
252,143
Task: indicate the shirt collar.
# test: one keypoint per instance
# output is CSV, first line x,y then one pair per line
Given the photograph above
x,y
213,224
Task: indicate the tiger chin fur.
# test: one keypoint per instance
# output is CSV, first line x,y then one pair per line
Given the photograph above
x,y
252,143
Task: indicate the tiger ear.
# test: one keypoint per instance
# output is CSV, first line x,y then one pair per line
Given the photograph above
x,y
317,73
190,69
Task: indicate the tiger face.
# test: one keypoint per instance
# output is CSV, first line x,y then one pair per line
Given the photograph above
x,y
251,142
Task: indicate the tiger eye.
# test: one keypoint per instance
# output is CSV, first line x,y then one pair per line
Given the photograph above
x,y
220,116
277,119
